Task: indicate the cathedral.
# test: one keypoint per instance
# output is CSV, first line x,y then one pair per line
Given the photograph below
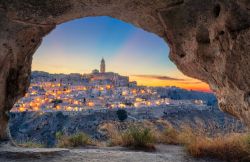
x,y
108,77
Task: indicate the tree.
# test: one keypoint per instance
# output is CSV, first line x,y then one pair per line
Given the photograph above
x,y
122,114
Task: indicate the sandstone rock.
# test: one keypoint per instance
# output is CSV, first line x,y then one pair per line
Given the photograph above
x,y
209,40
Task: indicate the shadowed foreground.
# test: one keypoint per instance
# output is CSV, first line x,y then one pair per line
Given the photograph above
x,y
164,153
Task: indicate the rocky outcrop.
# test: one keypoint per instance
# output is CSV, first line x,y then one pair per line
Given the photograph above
x,y
209,40
42,127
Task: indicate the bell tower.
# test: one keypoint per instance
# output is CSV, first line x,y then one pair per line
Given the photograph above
x,y
102,66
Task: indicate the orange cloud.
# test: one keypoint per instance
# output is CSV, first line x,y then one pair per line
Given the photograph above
x,y
159,77
155,80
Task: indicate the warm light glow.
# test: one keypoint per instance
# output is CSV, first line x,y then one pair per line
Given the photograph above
x,y
35,108
91,104
189,84
58,107
138,100
148,103
21,109
124,93
108,86
134,91
121,105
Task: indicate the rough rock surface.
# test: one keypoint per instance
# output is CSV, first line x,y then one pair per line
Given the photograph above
x,y
10,152
209,40
41,128
164,153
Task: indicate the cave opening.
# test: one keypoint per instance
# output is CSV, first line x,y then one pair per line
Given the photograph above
x,y
208,40
66,85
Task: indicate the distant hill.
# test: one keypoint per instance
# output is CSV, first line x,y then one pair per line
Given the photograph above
x,y
176,93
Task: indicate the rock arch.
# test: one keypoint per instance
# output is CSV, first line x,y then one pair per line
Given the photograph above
x,y
209,40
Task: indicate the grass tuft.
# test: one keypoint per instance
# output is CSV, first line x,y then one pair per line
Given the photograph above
x,y
139,138
231,147
31,144
199,141
79,139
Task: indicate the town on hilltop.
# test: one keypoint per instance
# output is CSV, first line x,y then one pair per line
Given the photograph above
x,y
99,89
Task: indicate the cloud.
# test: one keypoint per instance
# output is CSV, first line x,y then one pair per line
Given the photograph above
x,y
159,77
192,82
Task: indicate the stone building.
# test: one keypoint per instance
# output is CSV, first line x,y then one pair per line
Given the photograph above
x,y
102,66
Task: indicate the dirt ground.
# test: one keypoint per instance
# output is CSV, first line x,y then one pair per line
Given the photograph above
x,y
163,153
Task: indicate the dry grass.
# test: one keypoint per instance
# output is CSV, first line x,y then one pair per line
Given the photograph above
x,y
200,140
79,139
31,144
113,134
131,135
139,138
230,147
169,136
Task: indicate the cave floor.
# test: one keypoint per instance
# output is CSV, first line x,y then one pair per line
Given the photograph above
x,y
163,153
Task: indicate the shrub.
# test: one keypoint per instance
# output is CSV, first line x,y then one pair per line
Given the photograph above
x,y
79,139
138,138
75,140
198,141
122,114
59,135
112,133
226,147
169,136
130,135
232,147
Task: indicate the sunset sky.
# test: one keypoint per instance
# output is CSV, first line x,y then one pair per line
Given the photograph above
x,y
77,47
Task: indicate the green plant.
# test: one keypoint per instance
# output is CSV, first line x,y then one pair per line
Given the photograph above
x,y
138,138
79,139
59,134
75,140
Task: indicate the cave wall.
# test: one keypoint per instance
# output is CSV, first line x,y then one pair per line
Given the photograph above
x,y
209,40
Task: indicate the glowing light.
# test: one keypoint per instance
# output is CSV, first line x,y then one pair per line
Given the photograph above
x,y
91,104
68,108
21,109
121,105
148,103
138,100
58,107
35,108
134,91
136,104
124,93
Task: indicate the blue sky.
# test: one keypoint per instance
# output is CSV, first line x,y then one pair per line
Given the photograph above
x,y
77,47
